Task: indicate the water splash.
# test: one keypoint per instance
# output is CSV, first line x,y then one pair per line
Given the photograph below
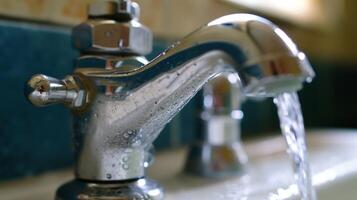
x,y
292,127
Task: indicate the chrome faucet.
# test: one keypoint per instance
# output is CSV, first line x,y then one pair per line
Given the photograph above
x,y
121,102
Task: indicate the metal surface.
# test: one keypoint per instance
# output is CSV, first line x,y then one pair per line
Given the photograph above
x,y
131,105
45,90
217,151
140,189
121,10
113,28
216,161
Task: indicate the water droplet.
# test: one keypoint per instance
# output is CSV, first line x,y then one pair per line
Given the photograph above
x,y
109,176
96,115
125,159
125,166
137,143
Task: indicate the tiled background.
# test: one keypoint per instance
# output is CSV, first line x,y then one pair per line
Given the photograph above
x,y
173,19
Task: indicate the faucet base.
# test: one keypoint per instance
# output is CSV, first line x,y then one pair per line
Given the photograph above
x,y
216,161
142,188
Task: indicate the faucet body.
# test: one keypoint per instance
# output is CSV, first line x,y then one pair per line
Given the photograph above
x,y
120,108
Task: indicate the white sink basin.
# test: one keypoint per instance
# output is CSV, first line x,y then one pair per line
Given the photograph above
x,y
333,156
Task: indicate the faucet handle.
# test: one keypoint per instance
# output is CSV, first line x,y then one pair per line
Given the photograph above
x,y
43,90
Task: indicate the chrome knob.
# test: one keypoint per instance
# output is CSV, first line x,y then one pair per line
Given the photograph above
x,y
43,90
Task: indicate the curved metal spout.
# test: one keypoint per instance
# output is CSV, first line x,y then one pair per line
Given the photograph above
x,y
132,105
257,51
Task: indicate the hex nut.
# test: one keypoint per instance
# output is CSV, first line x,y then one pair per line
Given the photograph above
x,y
124,63
109,36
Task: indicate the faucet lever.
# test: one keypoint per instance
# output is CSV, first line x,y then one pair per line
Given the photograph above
x,y
43,90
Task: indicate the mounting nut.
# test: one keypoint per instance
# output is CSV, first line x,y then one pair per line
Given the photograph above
x,y
110,36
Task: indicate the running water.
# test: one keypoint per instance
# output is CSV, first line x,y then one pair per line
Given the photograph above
x,y
292,127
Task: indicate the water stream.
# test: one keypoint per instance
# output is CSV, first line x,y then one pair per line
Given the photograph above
x,y
292,126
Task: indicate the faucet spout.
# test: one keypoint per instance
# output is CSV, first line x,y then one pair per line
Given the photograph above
x,y
256,49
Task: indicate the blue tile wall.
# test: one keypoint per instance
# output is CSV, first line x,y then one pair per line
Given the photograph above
x,y
34,140
31,139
